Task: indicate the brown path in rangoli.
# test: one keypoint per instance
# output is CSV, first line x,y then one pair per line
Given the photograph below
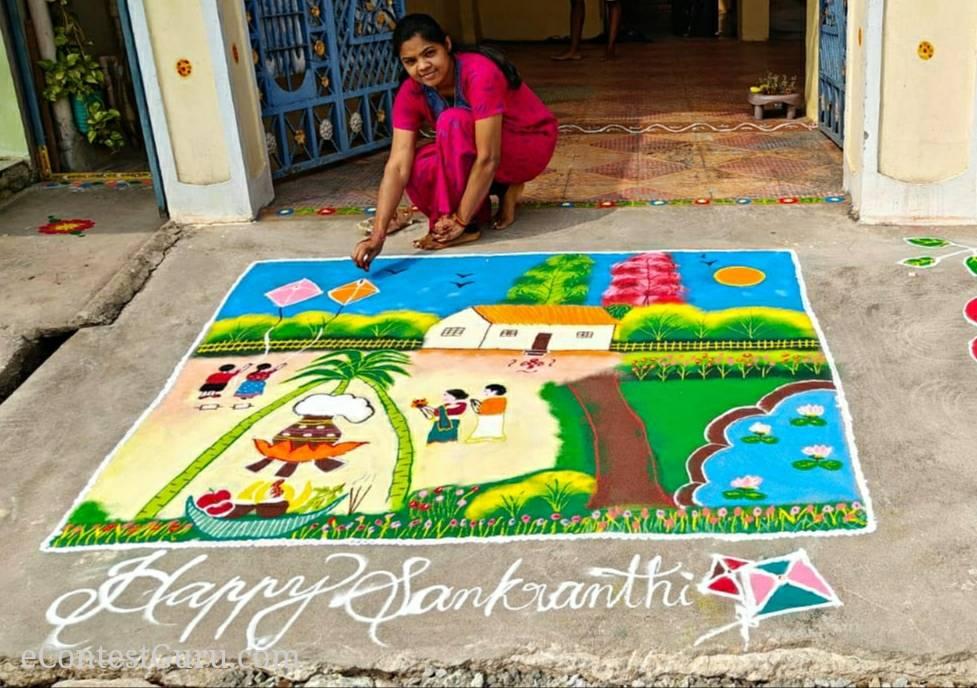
x,y
626,470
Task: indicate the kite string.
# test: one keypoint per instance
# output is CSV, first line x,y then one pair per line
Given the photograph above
x,y
744,621
267,337
318,336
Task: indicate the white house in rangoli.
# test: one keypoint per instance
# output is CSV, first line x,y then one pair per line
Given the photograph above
x,y
524,328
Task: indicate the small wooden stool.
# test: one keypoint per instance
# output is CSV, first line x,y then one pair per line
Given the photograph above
x,y
791,101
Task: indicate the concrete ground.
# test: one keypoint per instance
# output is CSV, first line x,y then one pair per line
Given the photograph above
x,y
909,590
50,286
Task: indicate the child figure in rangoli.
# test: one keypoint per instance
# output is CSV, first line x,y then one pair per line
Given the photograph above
x,y
491,415
254,384
446,417
216,382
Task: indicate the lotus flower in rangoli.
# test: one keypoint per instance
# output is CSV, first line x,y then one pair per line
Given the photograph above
x,y
818,451
745,487
809,414
761,433
818,454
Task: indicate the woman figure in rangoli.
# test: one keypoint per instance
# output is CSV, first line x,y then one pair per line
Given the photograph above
x,y
491,415
492,135
446,417
254,384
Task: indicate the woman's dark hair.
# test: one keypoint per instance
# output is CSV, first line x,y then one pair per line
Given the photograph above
x,y
427,27
498,389
458,394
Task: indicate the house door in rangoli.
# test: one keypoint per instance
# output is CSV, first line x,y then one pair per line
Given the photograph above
x,y
542,343
326,73
832,43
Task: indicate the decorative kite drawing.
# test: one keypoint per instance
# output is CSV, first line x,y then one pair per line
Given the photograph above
x,y
766,588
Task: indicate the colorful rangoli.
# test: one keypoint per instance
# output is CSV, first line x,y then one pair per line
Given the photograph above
x,y
659,394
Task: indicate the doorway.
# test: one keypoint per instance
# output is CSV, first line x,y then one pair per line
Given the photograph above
x,y
669,122
80,81
541,344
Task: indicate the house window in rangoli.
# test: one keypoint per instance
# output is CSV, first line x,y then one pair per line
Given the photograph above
x,y
508,333
452,331
585,334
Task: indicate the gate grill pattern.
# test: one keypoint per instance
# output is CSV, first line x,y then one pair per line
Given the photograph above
x,y
326,73
831,68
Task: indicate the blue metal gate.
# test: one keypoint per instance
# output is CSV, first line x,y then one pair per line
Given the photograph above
x,y
326,72
831,68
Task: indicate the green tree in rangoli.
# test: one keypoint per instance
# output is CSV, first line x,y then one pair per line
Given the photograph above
x,y
375,369
562,279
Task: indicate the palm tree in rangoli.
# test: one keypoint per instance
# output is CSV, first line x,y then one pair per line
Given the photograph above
x,y
375,369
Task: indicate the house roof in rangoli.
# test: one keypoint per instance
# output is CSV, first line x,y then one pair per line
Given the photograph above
x,y
545,315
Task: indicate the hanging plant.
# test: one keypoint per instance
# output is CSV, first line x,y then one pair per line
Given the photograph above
x,y
75,74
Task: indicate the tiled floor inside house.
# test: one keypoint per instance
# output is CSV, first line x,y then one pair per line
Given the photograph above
x,y
687,96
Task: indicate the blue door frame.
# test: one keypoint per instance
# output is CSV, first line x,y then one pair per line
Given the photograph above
x,y
326,73
15,21
832,46
144,122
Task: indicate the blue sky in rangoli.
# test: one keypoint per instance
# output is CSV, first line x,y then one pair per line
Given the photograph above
x,y
450,284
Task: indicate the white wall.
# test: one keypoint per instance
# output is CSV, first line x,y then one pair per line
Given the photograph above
x,y
202,123
564,337
474,325
911,153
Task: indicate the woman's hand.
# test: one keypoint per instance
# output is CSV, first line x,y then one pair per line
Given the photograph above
x,y
368,249
447,228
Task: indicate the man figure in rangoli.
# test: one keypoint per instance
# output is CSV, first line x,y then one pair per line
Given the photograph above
x,y
491,415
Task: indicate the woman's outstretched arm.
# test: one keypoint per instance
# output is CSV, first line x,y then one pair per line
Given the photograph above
x,y
396,174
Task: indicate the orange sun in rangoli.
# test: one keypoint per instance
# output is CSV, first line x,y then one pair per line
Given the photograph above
x,y
739,276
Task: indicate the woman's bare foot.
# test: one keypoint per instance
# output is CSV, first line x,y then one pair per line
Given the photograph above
x,y
507,208
402,219
429,242
568,55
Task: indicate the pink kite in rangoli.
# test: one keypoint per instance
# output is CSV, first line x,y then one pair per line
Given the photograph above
x,y
293,293
289,295
644,279
766,588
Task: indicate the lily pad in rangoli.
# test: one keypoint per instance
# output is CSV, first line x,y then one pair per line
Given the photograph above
x,y
971,264
920,262
927,242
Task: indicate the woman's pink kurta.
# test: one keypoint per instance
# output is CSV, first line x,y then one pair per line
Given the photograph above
x,y
441,170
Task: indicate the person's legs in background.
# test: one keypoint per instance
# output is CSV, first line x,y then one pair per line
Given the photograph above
x,y
613,27
578,13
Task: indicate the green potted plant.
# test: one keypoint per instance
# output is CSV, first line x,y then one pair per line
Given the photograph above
x,y
75,74
776,89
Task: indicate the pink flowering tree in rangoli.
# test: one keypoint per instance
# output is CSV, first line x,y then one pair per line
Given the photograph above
x,y
643,280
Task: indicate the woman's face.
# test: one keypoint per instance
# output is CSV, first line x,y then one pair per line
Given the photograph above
x,y
426,62
448,398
